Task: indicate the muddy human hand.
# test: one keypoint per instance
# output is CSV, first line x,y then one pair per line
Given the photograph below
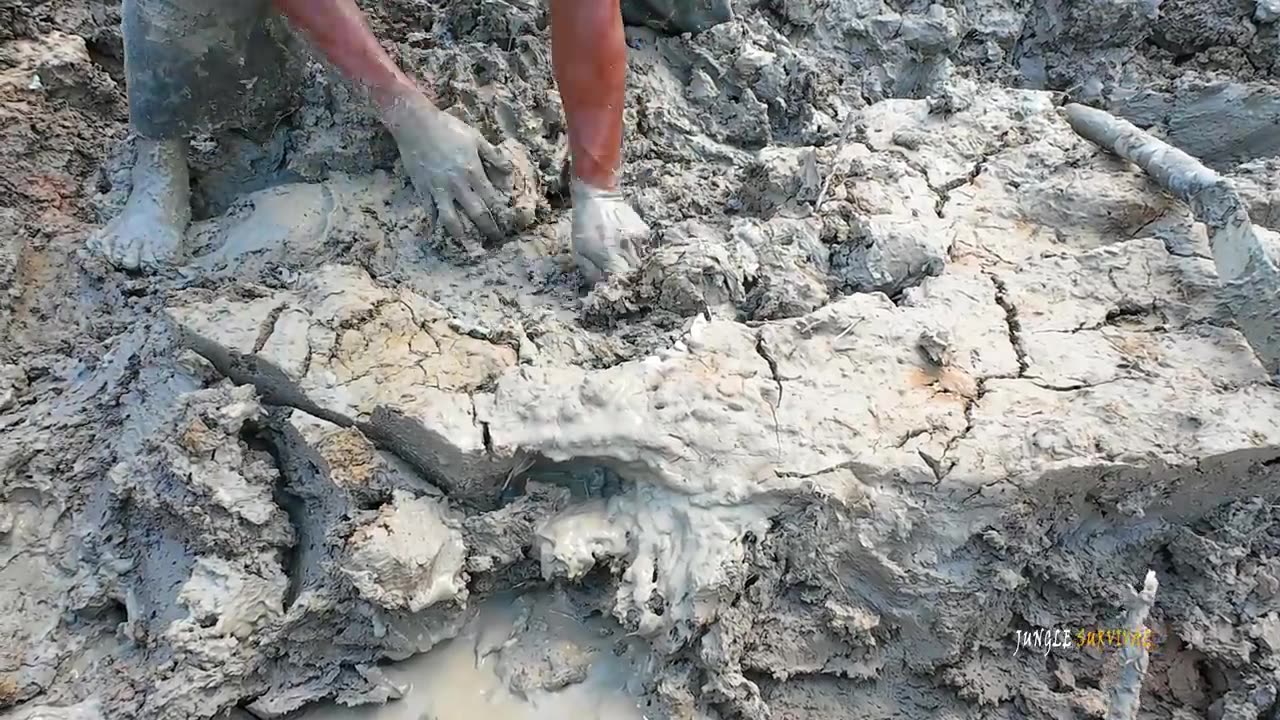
x,y
447,161
607,232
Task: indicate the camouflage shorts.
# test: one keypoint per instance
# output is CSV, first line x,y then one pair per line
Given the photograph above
x,y
676,16
205,65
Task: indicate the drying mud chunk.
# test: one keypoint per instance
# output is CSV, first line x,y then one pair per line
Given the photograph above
x,y
696,269
1268,11
499,539
203,483
542,660
793,272
232,598
783,179
410,557
936,32
801,13
87,710
13,249
1223,124
1048,193
889,254
64,70
1186,27
212,569
13,380
391,363
1258,183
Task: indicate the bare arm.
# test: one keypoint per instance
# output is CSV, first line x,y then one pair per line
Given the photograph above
x,y
340,31
589,57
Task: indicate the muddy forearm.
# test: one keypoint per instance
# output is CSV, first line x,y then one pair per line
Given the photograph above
x,y
589,57
339,30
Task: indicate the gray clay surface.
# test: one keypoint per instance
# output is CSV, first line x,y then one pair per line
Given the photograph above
x,y
909,367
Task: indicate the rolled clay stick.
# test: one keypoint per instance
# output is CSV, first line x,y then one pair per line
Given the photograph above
x,y
1127,693
1251,281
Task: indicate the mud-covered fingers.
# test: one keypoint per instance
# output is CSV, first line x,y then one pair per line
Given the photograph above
x,y
495,157
630,250
155,255
474,206
123,252
96,244
131,256
106,244
622,259
447,214
489,193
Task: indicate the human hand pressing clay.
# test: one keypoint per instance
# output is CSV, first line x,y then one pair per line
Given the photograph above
x,y
589,57
606,234
449,163
193,67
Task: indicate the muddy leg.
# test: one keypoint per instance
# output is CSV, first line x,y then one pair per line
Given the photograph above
x,y
183,62
148,232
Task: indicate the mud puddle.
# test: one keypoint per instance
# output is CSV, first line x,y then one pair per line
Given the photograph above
x,y
531,657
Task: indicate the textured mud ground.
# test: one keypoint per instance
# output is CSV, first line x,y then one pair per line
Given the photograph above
x,y
805,464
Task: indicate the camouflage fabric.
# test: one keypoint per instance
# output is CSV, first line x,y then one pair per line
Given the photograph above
x,y
676,16
205,65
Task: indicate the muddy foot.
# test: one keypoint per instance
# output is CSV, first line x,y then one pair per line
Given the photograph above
x,y
148,233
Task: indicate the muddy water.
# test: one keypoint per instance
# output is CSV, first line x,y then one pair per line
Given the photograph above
x,y
479,674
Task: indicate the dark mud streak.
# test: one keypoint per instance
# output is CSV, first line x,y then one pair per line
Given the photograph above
x,y
268,326
263,439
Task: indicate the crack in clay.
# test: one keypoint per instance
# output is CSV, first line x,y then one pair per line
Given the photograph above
x,y
944,191
1011,321
943,466
910,435
486,437
763,351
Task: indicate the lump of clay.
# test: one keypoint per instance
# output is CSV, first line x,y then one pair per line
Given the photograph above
x,y
12,382
87,710
409,557
543,659
696,269
936,32
677,16
889,255
65,70
1268,11
792,279
1186,27
233,598
522,189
